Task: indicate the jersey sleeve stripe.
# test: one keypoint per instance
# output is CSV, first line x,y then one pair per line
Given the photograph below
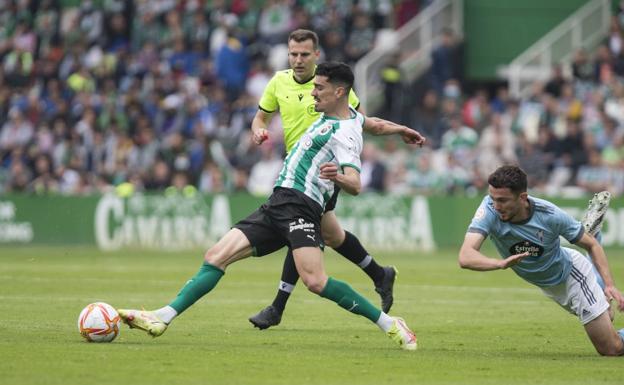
x,y
478,231
265,110
343,165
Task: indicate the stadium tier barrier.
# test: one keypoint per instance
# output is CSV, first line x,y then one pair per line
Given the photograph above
x,y
175,223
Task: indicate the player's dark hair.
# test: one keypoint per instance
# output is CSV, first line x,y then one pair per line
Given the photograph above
x,y
511,177
301,35
337,73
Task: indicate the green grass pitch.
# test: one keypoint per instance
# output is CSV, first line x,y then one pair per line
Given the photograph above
x,y
473,328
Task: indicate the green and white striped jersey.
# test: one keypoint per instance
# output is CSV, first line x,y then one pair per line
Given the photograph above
x,y
326,140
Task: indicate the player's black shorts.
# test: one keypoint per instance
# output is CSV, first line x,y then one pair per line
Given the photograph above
x,y
331,203
288,218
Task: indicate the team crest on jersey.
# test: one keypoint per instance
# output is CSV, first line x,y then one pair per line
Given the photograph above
x,y
311,110
540,235
480,213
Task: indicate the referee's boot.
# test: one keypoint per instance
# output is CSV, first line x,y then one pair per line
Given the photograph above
x,y
594,215
385,288
267,317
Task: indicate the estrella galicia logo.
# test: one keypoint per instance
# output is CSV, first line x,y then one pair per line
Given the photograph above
x,y
524,246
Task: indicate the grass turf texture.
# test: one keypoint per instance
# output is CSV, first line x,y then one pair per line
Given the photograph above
x,y
473,328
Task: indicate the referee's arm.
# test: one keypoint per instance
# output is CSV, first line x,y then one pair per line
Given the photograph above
x,y
259,126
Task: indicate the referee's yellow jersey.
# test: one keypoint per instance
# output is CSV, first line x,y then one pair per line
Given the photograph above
x,y
295,104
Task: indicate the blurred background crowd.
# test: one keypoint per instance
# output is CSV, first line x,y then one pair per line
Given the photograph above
x,y
160,94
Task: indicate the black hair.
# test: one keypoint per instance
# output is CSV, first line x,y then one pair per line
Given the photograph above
x,y
509,176
337,73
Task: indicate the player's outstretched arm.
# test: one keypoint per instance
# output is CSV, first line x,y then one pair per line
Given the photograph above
x,y
599,258
259,126
378,126
470,256
349,181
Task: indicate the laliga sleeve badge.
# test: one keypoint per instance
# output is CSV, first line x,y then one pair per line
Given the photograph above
x,y
480,213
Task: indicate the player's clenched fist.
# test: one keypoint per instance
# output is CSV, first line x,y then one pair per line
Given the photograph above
x,y
260,135
328,171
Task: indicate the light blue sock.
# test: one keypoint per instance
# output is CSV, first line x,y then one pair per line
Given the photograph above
x,y
621,333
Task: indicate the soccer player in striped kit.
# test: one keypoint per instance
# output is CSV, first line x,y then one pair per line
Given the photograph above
x,y
288,93
325,157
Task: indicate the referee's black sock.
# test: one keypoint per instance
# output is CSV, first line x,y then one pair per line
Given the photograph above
x,y
353,250
289,279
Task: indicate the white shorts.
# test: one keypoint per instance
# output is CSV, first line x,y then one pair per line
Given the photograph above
x,y
580,293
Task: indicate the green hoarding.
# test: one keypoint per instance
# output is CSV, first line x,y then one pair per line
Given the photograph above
x,y
177,223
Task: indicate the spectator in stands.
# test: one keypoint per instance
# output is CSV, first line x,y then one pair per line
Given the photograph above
x,y
361,39
476,110
264,172
422,178
595,175
582,67
373,174
496,146
556,81
428,119
405,11
446,61
392,79
573,151
232,65
460,141
333,45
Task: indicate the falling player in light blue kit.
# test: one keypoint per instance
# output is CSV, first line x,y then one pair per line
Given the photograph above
x,y
525,231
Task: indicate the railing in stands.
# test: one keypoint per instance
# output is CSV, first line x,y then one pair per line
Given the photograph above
x,y
414,41
583,29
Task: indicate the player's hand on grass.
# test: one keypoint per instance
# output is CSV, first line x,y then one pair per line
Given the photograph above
x,y
410,136
613,293
513,259
328,171
259,135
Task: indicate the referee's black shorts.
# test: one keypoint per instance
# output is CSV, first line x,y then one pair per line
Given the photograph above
x,y
331,203
288,218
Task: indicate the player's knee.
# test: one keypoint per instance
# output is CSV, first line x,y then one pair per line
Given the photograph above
x,y
314,284
611,349
214,257
334,238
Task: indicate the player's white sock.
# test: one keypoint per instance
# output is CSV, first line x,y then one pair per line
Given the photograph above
x,y
385,322
166,314
365,262
285,286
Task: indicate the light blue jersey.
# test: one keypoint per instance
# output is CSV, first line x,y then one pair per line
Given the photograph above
x,y
548,264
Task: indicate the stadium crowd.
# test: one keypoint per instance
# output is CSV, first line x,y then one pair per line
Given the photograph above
x,y
161,93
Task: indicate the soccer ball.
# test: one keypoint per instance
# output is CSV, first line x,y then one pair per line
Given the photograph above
x,y
99,322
